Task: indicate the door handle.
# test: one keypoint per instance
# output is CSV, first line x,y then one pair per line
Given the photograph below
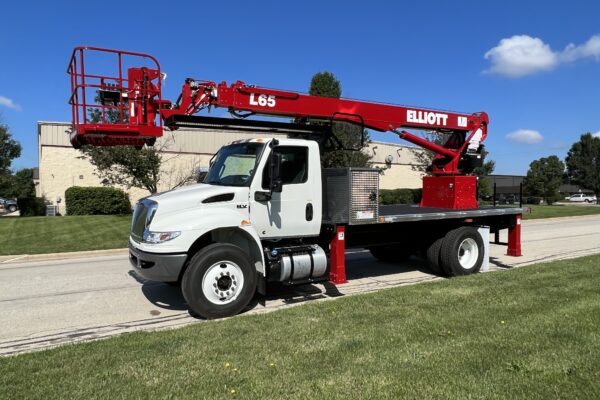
x,y
309,212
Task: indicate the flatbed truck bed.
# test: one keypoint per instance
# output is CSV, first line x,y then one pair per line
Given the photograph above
x,y
412,228
408,212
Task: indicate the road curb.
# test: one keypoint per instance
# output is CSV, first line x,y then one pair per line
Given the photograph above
x,y
23,258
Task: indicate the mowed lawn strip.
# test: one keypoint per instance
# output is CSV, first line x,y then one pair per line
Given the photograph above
x,y
554,211
38,235
530,333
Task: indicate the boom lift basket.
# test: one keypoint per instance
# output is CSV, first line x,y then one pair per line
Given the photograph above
x,y
109,109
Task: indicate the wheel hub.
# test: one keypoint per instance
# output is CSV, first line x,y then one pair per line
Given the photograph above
x,y
224,283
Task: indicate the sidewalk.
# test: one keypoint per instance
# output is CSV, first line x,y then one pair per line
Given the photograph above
x,y
61,256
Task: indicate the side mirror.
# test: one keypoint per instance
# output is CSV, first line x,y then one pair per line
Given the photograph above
x,y
275,184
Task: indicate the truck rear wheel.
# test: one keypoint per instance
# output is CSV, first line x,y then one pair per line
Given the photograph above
x,y
389,254
433,256
462,251
219,281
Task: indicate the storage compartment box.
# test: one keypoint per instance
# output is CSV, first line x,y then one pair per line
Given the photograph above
x,y
350,195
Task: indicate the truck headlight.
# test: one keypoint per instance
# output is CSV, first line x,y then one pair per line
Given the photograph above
x,y
159,237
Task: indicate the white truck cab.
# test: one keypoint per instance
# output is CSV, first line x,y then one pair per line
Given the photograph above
x,y
210,236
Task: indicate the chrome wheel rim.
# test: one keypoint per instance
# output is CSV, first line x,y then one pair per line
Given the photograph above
x,y
222,282
468,253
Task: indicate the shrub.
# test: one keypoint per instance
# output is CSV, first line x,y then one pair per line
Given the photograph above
x,y
96,200
552,199
532,200
400,196
31,206
417,194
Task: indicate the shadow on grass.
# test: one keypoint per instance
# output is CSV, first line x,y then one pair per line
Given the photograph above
x,y
494,261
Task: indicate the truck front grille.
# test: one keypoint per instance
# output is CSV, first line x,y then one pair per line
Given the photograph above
x,y
142,216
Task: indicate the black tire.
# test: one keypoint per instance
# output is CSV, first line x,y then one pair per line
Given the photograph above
x,y
390,254
205,263
456,244
433,256
12,208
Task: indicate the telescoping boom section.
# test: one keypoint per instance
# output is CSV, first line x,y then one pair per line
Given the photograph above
x,y
125,107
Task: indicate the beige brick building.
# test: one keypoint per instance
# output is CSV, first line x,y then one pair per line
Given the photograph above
x,y
61,166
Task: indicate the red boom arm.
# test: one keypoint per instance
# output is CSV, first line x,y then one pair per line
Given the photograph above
x,y
137,100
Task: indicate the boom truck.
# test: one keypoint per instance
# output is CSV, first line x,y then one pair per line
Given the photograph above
x,y
267,212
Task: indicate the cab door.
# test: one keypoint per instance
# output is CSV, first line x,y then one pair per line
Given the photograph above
x,y
296,210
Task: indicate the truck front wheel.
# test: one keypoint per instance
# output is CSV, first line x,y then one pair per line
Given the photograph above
x,y
462,251
219,281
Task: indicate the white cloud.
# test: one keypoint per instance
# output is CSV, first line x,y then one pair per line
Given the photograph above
x,y
591,49
597,134
6,102
522,55
525,136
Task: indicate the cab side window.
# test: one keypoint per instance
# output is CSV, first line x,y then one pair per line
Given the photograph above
x,y
294,165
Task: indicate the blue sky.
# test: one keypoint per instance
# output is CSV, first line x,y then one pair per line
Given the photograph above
x,y
533,66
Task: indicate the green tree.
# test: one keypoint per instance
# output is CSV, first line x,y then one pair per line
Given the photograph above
x,y
325,84
9,149
583,163
18,185
484,185
544,178
126,166
123,165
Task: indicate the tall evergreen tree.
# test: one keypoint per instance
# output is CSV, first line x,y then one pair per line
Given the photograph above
x,y
325,84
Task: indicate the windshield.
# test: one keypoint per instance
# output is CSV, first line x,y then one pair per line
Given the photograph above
x,y
234,164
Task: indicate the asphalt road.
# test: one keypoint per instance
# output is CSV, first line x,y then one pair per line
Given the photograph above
x,y
44,304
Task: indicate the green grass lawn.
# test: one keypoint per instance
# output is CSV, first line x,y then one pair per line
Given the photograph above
x,y
531,333
37,235
543,211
